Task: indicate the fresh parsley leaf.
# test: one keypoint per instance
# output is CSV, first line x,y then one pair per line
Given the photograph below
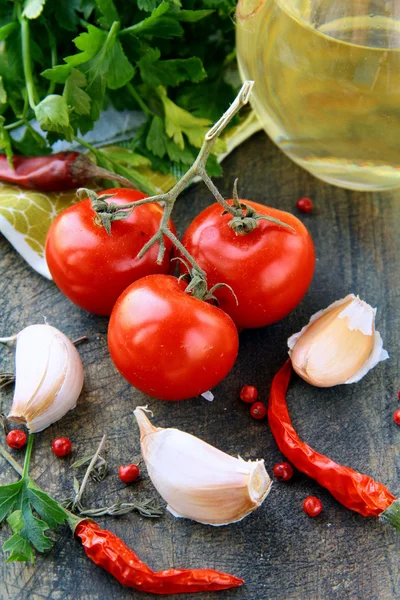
x,y
207,100
19,548
5,144
179,121
7,29
159,24
52,115
109,12
33,8
45,506
28,530
192,16
31,143
89,43
155,140
66,14
75,97
58,74
147,5
9,495
169,72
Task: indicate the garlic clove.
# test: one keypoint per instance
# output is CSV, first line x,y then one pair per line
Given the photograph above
x,y
197,480
48,377
339,344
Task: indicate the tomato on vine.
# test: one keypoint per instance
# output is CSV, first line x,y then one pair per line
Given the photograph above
x,y
268,265
167,343
92,247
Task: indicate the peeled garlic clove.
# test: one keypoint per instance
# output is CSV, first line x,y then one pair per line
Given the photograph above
x,y
339,344
199,481
48,377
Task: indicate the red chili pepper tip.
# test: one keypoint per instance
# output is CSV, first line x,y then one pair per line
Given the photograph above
x,y
304,205
16,439
258,410
396,417
61,446
398,394
248,394
312,506
283,471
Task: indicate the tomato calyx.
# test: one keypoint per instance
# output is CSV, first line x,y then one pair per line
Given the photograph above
x,y
197,284
245,219
106,212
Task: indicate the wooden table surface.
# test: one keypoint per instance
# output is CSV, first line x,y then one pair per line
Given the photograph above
x,y
280,552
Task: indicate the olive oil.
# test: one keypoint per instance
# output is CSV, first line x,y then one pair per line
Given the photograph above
x,y
327,86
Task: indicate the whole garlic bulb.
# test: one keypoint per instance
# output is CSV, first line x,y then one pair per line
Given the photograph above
x,y
338,345
199,481
48,377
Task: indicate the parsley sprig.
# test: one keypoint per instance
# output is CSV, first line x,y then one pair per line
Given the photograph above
x,y
18,501
62,62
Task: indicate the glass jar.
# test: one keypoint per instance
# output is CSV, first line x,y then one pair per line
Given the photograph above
x,y
327,84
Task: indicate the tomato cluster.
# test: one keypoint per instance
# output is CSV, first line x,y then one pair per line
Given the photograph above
x,y
163,339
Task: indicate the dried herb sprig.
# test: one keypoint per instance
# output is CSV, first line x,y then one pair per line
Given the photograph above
x,y
147,508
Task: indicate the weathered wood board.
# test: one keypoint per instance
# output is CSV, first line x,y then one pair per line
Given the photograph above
x,y
281,553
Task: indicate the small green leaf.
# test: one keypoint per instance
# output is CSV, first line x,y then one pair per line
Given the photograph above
x,y
147,5
33,8
159,24
5,144
34,528
178,122
52,115
31,143
16,521
58,74
6,30
66,14
75,97
20,549
169,72
119,69
109,12
192,16
45,506
89,43
155,138
8,496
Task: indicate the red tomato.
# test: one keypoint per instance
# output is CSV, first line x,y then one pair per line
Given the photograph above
x,y
269,269
167,343
93,268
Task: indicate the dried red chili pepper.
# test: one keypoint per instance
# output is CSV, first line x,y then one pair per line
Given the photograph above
x,y
354,490
55,172
108,551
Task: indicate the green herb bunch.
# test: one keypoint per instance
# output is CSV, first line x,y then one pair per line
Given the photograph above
x,y
62,62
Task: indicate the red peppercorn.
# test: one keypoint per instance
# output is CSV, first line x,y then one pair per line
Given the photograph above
x,y
283,471
396,417
312,506
129,473
304,205
16,439
61,446
258,410
398,394
249,394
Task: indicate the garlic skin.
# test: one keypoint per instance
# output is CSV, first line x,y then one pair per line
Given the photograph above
x,y
48,377
198,481
339,344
